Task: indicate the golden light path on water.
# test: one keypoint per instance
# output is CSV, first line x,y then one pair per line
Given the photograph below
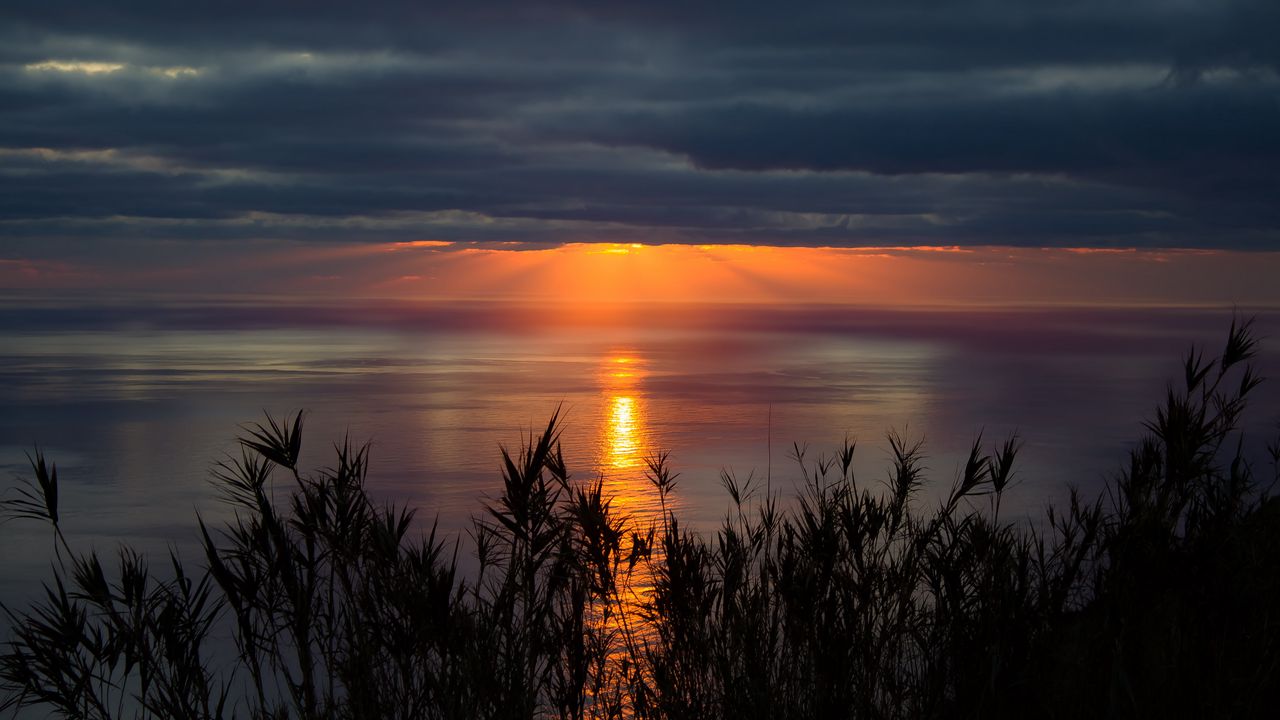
x,y
626,445
622,432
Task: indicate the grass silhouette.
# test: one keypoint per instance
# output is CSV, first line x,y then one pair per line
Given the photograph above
x,y
1158,598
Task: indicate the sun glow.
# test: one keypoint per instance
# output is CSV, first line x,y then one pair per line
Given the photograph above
x,y
591,284
591,279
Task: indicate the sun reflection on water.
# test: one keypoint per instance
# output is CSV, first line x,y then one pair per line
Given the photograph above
x,y
621,433
625,444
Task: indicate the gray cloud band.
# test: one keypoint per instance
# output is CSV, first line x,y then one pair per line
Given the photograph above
x,y
849,124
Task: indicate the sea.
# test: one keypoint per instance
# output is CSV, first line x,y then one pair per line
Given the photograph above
x,y
135,402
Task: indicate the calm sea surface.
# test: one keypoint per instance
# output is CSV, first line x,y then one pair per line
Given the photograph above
x,y
135,404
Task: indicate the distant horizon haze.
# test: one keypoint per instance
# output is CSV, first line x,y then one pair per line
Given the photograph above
x,y
588,274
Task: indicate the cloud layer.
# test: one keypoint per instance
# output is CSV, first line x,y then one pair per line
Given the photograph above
x,y
1077,123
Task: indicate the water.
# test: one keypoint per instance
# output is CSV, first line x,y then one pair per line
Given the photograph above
x,y
135,404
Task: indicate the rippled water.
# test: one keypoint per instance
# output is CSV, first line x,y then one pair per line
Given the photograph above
x,y
135,404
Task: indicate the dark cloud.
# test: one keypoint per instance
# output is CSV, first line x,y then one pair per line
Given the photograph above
x,y
1148,123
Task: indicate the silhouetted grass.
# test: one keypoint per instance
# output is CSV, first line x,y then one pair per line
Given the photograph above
x,y
1160,598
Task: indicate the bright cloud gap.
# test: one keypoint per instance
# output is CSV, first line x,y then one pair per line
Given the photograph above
x,y
108,68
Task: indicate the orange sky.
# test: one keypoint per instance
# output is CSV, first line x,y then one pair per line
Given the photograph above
x,y
877,276
605,273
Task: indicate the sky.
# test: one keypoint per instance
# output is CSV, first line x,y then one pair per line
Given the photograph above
x,y
190,146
